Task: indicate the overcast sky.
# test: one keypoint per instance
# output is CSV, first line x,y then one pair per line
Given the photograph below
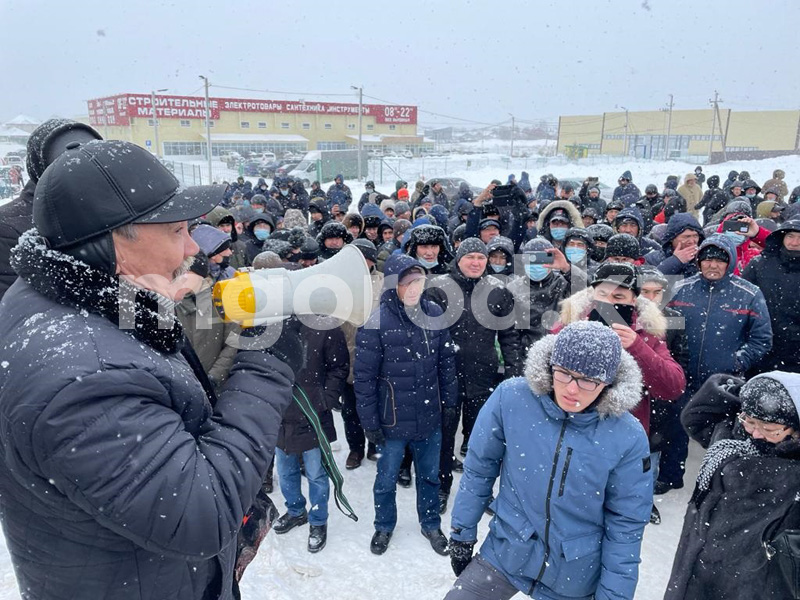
x,y
474,60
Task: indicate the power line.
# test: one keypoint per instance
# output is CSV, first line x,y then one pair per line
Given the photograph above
x,y
299,94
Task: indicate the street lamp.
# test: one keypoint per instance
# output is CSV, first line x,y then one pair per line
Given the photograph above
x,y
208,128
360,106
155,119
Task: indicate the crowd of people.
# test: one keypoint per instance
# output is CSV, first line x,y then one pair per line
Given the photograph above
x,y
572,343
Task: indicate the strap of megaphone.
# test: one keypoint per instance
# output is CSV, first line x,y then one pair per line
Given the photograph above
x,y
188,353
328,461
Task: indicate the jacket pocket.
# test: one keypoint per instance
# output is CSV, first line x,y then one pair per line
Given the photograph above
x,y
564,472
576,569
389,418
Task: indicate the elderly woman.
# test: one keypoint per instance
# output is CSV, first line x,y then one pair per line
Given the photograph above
x,y
746,488
575,482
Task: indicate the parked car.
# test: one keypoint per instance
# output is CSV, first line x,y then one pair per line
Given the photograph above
x,y
254,168
8,189
12,160
285,168
451,185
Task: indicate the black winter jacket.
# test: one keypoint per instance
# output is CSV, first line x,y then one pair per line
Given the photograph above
x,y
118,479
720,553
322,380
476,304
16,218
778,275
533,300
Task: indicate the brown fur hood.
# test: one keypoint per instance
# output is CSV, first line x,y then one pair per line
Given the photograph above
x,y
572,211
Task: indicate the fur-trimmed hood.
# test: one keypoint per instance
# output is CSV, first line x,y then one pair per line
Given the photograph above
x,y
544,216
648,316
618,398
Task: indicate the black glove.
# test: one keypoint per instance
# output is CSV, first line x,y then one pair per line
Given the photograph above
x,y
450,415
460,555
375,436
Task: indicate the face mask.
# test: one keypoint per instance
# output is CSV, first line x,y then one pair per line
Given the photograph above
x,y
536,272
559,233
751,195
258,210
246,202
428,264
261,234
370,190
498,268
737,238
598,254
575,255
224,264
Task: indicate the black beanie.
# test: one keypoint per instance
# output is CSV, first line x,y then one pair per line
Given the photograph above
x,y
470,245
367,249
624,245
620,274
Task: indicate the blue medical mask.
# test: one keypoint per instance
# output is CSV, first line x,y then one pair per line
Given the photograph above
x,y
284,192
428,264
751,195
559,233
737,238
497,268
261,234
536,272
575,255
258,210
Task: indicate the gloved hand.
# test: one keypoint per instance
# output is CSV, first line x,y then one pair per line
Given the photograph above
x,y
460,555
450,415
375,436
284,340
255,526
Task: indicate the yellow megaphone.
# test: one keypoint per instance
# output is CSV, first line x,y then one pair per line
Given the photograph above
x,y
340,287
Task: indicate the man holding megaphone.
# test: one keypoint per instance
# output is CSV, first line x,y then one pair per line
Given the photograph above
x,y
123,472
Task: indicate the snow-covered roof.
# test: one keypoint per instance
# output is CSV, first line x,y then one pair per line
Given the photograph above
x,y
255,137
23,120
13,132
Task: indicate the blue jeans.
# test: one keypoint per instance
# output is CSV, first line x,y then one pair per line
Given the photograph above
x,y
318,485
426,470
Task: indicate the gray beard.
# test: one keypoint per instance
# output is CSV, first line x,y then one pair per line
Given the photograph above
x,y
183,269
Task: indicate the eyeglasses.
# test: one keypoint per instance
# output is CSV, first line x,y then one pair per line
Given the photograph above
x,y
587,385
751,425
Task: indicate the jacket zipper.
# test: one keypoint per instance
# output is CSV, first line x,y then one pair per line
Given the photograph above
x,y
547,501
564,472
705,326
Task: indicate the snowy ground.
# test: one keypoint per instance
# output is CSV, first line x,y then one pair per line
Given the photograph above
x,y
346,570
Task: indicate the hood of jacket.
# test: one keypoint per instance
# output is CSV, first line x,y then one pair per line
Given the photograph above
x,y
631,212
648,315
428,234
724,242
572,211
677,225
259,218
615,400
501,243
372,210
439,213
774,242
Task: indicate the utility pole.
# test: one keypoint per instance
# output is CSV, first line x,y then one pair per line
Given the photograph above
x,y
724,136
715,104
669,126
155,120
625,135
512,135
360,115
208,129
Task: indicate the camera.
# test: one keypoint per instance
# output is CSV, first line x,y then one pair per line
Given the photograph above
x,y
541,258
736,226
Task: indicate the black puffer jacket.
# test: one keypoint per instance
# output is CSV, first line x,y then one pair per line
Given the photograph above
x,y
777,273
322,380
533,301
482,302
117,478
16,218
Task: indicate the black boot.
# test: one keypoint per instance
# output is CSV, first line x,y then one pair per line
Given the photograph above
x,y
404,477
380,542
438,541
317,537
372,452
443,497
463,450
285,523
458,466
655,516
354,460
